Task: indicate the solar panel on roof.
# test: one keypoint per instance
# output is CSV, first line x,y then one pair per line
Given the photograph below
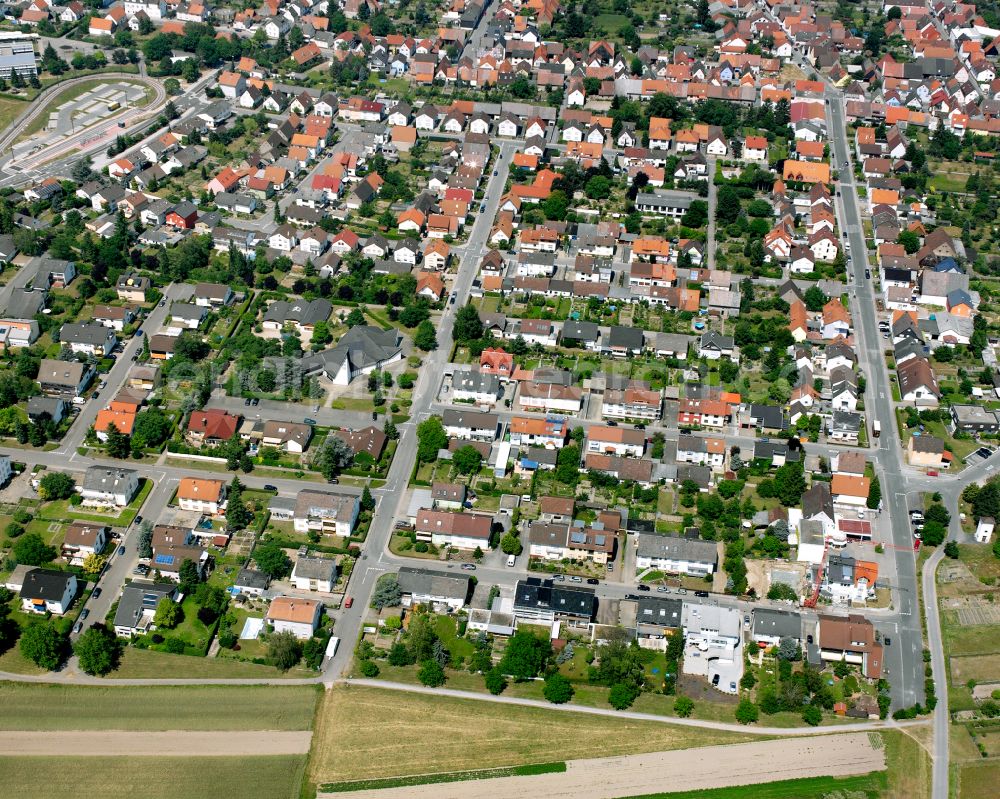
x,y
578,538
599,540
164,559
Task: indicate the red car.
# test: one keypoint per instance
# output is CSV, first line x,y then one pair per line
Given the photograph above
x,y
348,602
932,473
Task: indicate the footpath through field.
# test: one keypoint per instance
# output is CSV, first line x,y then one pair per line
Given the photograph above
x,y
838,755
98,743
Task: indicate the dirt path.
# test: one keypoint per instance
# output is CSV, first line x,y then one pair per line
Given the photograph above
x,y
119,742
682,770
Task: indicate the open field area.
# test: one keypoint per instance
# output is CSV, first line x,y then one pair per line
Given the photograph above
x,y
721,766
391,735
10,110
146,664
204,707
978,780
151,777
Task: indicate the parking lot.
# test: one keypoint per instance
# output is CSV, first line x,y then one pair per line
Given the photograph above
x,y
978,456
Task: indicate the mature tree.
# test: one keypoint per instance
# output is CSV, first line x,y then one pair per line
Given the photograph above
x,y
355,317
333,456
238,515
98,650
525,655
284,650
425,338
815,299
510,544
188,576
933,533
272,560
727,207
145,543
568,465
812,715
938,513
150,428
430,438
43,644
622,695
31,550
431,673
788,648
467,460
93,563
598,188
168,613
790,483
468,326
367,501
387,592
558,690
117,444
951,550
56,485
874,493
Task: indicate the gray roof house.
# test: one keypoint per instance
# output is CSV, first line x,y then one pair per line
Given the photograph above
x,y
434,588
137,606
676,554
770,626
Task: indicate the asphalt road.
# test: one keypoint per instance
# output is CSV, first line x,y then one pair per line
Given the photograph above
x,y
902,661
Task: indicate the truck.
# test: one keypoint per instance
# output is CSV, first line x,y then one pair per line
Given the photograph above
x,y
876,428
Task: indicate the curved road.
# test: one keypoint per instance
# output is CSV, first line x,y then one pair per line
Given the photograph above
x,y
96,135
41,103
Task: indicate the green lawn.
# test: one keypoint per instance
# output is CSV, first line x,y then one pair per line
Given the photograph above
x,y
147,664
260,777
10,110
30,706
446,628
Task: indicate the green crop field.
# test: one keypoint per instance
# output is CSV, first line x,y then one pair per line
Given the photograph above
x,y
28,706
152,777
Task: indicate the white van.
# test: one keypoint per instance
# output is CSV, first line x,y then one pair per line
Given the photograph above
x,y
510,560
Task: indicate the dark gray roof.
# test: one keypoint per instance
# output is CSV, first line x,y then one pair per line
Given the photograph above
x,y
476,420
536,594
817,500
305,312
361,346
138,597
581,331
628,337
659,611
47,584
251,578
778,623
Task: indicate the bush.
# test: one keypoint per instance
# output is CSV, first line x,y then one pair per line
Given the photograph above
x,y
683,706
812,715
746,712
368,668
495,681
175,646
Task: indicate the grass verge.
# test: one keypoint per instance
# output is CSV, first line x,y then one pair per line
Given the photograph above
x,y
269,777
452,776
144,664
31,706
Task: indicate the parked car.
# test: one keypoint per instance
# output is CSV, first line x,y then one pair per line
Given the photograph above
x,y
593,581
84,613
348,602
269,487
469,567
138,520
643,587
121,550
716,678
77,627
663,590
682,590
559,577
97,592
887,641
576,579
702,594
309,421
